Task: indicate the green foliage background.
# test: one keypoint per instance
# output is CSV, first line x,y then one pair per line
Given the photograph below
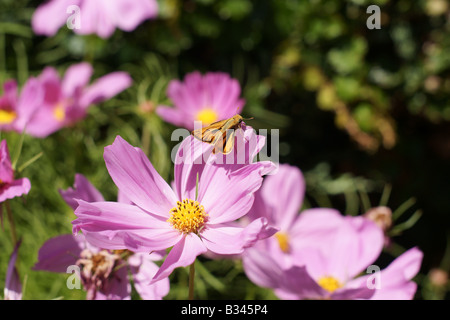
x,y
363,113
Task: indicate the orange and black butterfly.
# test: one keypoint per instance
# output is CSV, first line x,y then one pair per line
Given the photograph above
x,y
220,134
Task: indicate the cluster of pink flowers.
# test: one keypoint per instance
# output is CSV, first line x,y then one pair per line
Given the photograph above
x,y
48,103
319,254
245,210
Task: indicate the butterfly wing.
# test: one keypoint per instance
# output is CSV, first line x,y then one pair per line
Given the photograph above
x,y
228,144
209,134
220,133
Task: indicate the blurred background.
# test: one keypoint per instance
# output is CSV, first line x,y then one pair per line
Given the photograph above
x,y
364,113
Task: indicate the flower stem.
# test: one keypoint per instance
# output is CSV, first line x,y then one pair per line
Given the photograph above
x,y
196,188
11,222
191,281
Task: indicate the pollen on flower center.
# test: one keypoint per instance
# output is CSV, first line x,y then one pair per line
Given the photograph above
x,y
283,241
330,283
59,113
7,116
188,216
207,116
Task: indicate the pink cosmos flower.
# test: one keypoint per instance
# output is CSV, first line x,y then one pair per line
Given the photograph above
x,y
279,200
103,273
206,98
10,187
191,220
330,270
15,110
66,101
13,287
96,16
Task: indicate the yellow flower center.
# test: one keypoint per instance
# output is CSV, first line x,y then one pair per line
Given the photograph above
x,y
283,241
59,112
207,116
7,116
188,216
330,283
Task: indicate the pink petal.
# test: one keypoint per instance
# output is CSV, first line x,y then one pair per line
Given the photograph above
x,y
60,252
96,18
259,208
143,270
356,245
9,102
76,78
314,260
121,197
13,287
29,103
182,254
315,227
395,280
284,192
43,123
371,243
10,93
223,92
228,196
135,176
258,229
186,96
298,283
223,239
119,226
406,291
128,15
6,171
407,264
352,294
105,88
227,239
50,16
173,116
51,82
16,188
261,269
82,190
189,162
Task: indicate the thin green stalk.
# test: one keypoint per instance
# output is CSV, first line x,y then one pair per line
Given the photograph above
x,y
402,208
11,222
386,194
191,281
26,164
196,188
